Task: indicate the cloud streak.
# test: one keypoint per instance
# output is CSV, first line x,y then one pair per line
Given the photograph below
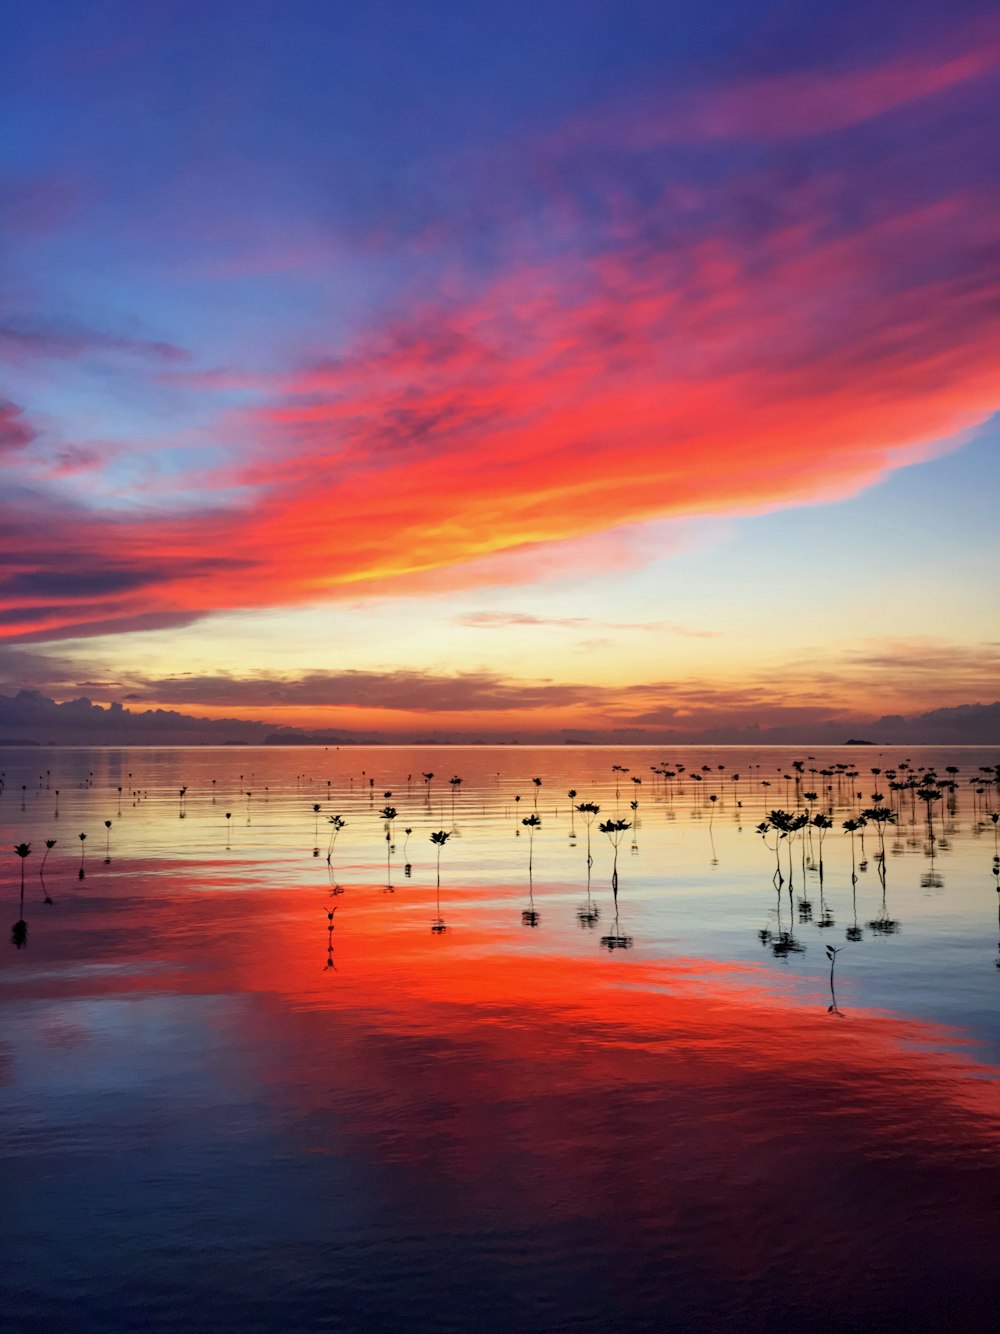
x,y
506,620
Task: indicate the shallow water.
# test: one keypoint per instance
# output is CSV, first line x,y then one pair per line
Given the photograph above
x,y
222,1108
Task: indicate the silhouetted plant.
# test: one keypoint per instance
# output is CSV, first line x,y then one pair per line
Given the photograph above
x,y
614,830
785,826
19,931
880,817
49,845
336,823
851,827
23,850
821,823
439,839
388,814
107,843
764,828
615,939
531,823
618,770
928,795
588,810
530,917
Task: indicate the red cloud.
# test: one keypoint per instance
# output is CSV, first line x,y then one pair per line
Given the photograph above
x,y
15,431
780,341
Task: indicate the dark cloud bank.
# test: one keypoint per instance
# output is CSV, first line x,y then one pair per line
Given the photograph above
x,y
30,717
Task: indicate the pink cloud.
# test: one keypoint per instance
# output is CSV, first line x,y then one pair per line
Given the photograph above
x,y
794,105
768,342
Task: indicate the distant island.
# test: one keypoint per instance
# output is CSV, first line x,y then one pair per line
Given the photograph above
x,y
854,742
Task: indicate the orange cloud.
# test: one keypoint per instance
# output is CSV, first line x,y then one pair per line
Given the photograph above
x,y
783,340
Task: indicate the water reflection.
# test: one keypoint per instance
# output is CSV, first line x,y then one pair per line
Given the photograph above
x,y
329,938
882,924
588,914
457,1101
418,1121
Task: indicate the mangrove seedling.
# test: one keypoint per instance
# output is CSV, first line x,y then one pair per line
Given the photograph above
x,y
336,823
49,845
388,814
588,810
19,931
439,838
530,917
23,850
614,830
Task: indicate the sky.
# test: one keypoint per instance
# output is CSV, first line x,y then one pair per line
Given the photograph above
x,y
475,370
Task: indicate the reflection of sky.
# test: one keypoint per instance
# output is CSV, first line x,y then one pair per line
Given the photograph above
x,y
675,900
218,1122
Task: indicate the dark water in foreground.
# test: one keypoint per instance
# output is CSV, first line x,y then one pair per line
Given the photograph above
x,y
223,1109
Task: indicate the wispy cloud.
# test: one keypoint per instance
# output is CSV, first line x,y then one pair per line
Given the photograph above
x,y
503,620
32,340
799,104
15,430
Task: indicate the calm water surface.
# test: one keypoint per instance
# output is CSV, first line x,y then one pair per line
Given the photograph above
x,y
245,1087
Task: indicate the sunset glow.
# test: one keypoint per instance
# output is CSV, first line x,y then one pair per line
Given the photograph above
x,y
360,379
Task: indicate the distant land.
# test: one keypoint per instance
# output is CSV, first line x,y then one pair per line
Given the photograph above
x,y
31,718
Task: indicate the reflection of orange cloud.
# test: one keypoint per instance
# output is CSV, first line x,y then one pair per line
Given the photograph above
x,y
662,1105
